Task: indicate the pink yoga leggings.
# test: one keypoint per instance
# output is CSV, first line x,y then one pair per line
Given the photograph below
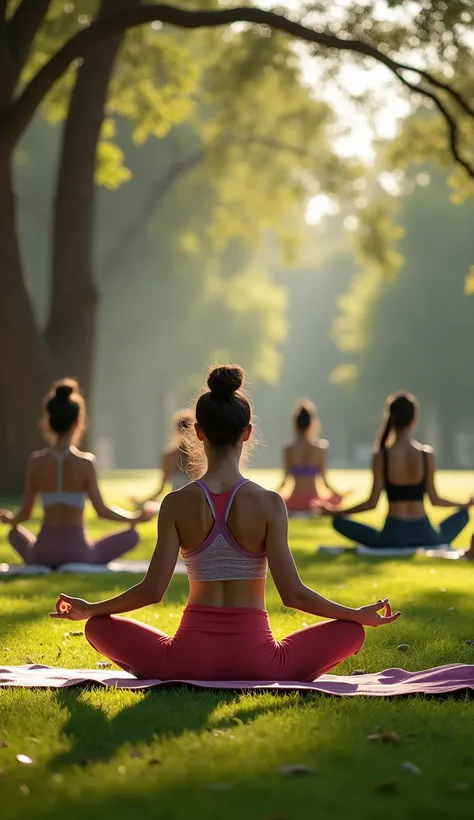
x,y
224,644
69,544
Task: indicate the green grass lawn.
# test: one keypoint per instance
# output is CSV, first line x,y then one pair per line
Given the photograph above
x,y
182,753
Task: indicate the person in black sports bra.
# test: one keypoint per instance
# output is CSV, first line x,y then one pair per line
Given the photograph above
x,y
405,469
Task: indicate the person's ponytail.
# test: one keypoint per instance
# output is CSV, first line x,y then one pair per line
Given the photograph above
x,y
384,433
400,411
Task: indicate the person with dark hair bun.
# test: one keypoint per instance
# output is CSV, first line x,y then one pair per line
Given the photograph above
x,y
405,469
64,478
305,462
174,461
228,529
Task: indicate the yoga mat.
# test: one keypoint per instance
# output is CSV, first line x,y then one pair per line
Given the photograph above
x,y
134,567
443,551
391,683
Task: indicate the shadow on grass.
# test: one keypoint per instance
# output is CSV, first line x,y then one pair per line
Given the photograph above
x,y
154,717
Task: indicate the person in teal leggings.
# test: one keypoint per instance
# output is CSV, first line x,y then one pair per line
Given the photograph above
x,y
405,469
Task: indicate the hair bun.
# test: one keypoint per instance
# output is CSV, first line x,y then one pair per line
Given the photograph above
x,y
225,380
63,391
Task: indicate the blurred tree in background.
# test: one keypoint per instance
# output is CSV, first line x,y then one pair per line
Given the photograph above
x,y
237,142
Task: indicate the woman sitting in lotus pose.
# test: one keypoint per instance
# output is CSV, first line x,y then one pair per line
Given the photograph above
x,y
64,478
405,469
227,528
305,462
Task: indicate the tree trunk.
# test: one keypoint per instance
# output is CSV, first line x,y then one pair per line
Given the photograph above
x,y
26,366
72,326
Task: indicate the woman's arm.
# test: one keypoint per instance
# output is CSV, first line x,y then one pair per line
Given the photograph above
x,y
286,468
297,595
29,498
324,445
167,474
149,591
377,487
437,500
110,513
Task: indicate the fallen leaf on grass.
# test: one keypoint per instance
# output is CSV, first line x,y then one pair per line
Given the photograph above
x,y
24,759
24,789
3,744
73,634
411,767
403,647
469,642
296,769
154,762
57,777
359,672
103,665
386,737
386,786
6,649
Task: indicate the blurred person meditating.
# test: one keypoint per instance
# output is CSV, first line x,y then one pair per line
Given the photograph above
x,y
228,529
175,459
64,478
405,469
304,461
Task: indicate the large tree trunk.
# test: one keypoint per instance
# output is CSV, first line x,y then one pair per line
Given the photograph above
x,y
26,366
72,326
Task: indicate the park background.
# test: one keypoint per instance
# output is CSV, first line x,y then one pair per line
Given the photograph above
x,y
185,197
180,197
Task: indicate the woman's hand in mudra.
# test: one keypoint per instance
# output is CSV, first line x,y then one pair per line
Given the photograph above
x,y
369,615
72,609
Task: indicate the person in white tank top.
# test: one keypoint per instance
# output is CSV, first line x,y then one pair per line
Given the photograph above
x,y
64,478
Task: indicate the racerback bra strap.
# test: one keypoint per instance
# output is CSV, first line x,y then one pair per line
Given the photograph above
x,y
59,472
208,495
232,496
212,505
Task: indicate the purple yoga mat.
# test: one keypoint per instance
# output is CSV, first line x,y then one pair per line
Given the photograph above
x,y
437,681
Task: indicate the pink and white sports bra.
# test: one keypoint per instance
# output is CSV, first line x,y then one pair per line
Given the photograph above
x,y
220,557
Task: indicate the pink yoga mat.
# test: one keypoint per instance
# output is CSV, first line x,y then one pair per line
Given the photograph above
x,y
437,681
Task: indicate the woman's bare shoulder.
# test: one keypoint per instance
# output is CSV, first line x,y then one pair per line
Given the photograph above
x,y
423,448
267,500
321,444
37,455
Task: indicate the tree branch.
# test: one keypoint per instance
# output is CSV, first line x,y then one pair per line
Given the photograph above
x,y
23,27
81,43
161,187
155,197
